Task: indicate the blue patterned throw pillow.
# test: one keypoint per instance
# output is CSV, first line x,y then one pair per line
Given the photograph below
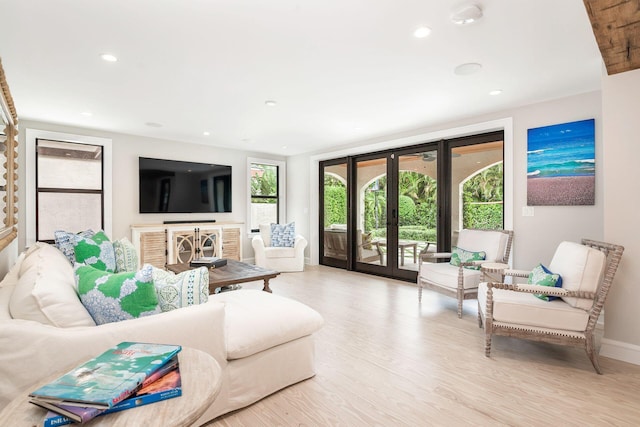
x,y
190,287
66,242
283,236
112,297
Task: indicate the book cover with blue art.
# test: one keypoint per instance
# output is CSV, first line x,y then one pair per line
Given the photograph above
x,y
109,378
167,386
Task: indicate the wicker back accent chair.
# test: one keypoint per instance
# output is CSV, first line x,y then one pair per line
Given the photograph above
x,y
587,272
457,281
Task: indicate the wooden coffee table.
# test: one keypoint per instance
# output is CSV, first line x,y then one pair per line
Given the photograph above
x,y
231,274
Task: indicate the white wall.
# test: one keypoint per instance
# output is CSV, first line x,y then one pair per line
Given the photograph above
x,y
620,105
126,150
8,257
535,237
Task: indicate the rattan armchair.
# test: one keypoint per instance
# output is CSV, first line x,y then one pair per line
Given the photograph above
x,y
458,281
587,272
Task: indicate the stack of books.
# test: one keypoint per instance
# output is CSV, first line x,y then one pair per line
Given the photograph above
x,y
209,262
126,376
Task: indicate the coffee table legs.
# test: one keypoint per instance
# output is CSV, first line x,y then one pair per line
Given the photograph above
x,y
266,286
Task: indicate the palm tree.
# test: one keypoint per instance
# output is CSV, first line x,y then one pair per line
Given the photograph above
x,y
486,186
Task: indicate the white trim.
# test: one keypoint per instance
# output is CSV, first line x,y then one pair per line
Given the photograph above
x,y
282,189
30,182
620,351
505,125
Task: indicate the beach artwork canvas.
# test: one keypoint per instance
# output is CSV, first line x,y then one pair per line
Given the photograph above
x,y
561,164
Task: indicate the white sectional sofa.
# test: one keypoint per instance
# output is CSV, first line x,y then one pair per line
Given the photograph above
x,y
263,342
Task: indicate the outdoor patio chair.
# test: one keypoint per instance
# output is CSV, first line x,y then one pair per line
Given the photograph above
x,y
459,278
565,315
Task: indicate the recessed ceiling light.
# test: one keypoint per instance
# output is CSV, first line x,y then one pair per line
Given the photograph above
x,y
153,125
495,92
422,32
284,147
109,57
468,68
466,15
87,113
205,133
270,103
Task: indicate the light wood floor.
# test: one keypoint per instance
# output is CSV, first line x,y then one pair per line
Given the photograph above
x,y
384,360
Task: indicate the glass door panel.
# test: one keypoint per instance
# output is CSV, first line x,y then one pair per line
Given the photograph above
x,y
371,211
417,207
476,187
334,230
380,211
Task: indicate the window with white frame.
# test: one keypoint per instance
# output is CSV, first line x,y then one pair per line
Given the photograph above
x,y
69,187
68,184
266,193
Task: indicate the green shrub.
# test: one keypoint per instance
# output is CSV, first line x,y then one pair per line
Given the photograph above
x,y
421,234
406,211
486,216
335,205
426,214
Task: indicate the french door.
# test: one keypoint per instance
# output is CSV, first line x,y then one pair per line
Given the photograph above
x,y
379,211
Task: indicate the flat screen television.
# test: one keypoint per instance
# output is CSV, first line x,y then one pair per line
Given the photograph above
x,y
171,186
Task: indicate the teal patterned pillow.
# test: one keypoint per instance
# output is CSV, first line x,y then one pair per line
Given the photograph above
x,y
126,255
66,241
96,251
112,297
459,255
540,275
283,235
190,287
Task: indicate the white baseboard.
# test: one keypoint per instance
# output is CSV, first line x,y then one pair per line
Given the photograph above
x,y
620,351
307,261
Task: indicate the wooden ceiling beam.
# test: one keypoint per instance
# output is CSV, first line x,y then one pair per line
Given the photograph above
x,y
616,26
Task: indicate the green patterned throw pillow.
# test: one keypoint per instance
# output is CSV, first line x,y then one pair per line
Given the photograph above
x,y
459,255
190,287
126,255
540,275
96,251
112,297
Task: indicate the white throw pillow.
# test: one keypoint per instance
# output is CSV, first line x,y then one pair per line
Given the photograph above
x,y
265,233
491,242
46,290
581,268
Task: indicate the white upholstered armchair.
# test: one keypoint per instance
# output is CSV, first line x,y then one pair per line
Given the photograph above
x,y
587,272
283,259
461,281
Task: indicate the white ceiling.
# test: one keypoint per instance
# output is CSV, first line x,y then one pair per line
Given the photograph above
x,y
341,71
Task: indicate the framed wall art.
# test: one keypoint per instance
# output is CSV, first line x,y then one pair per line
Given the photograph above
x,y
561,164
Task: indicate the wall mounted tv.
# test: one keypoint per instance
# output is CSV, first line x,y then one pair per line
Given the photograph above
x,y
171,186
